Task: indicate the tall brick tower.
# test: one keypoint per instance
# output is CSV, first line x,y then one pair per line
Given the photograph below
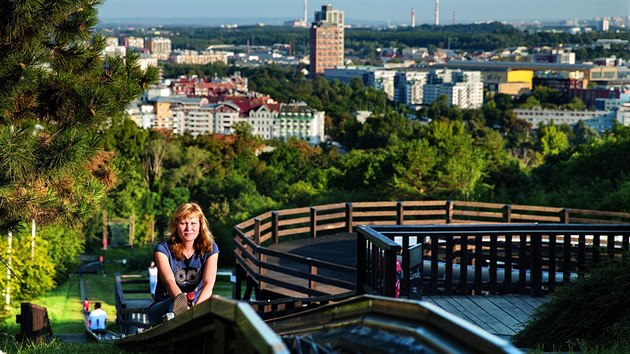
x,y
326,40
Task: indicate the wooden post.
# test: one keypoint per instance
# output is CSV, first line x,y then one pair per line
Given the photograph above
x,y
313,224
311,283
449,211
400,213
257,231
389,280
361,261
564,216
349,218
274,226
536,271
239,275
507,213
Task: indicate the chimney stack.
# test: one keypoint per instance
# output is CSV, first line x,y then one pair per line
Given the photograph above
x,y
413,17
437,12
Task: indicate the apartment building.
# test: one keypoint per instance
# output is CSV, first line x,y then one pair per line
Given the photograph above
x,y
160,47
409,87
463,88
600,121
196,116
179,56
134,43
326,40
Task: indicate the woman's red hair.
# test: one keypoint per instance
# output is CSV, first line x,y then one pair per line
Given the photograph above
x,y
203,243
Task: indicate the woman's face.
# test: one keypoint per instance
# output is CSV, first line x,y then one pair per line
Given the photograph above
x,y
188,228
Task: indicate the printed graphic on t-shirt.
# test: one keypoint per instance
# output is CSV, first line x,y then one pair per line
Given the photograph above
x,y
187,276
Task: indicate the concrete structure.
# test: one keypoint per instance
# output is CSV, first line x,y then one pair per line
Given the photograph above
x,y
562,81
160,47
501,66
208,115
409,87
135,43
557,56
326,40
600,121
111,41
179,56
464,88
115,51
437,12
413,17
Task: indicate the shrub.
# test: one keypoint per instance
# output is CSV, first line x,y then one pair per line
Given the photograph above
x,y
592,312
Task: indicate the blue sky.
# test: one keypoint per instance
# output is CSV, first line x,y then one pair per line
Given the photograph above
x,y
464,11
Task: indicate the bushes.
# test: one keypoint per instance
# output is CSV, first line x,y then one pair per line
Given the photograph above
x,y
592,312
55,256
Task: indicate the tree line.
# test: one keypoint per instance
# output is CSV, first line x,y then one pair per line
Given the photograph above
x,y
364,41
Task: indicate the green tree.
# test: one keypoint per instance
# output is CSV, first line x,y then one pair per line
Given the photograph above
x,y
56,95
576,104
552,140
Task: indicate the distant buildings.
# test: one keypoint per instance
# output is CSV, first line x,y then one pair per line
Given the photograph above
x,y
417,86
326,40
600,121
194,57
160,47
198,106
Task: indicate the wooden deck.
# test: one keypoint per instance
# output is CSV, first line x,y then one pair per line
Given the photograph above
x,y
501,315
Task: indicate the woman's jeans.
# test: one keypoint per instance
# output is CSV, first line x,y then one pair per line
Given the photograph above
x,y
157,310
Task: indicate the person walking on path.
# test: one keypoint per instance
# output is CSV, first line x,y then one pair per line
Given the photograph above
x,y
153,278
86,306
187,264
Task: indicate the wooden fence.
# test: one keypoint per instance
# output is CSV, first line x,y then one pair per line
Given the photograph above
x,y
34,323
131,312
528,259
257,261
218,325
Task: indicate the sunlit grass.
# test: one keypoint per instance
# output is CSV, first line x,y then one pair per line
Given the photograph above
x,y
63,305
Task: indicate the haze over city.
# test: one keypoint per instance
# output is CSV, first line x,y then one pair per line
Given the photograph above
x,y
357,11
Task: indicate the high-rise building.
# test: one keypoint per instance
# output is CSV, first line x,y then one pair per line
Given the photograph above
x,y
326,40
160,47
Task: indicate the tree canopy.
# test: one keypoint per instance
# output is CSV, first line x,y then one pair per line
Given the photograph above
x,y
57,94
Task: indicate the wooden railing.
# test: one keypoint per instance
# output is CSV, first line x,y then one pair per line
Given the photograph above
x,y
256,260
34,323
218,325
530,259
131,314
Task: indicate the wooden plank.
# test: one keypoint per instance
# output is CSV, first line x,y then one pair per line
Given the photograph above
x,y
487,320
417,203
520,314
478,205
534,301
475,317
445,305
501,315
522,302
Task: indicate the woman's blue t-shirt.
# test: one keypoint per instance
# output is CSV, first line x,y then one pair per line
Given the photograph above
x,y
188,273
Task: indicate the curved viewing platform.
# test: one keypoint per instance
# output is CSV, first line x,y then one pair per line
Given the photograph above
x,y
302,269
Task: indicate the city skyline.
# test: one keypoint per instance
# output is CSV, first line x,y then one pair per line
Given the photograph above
x,y
458,11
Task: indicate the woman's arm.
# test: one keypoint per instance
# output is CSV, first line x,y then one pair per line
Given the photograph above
x,y
209,277
166,274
